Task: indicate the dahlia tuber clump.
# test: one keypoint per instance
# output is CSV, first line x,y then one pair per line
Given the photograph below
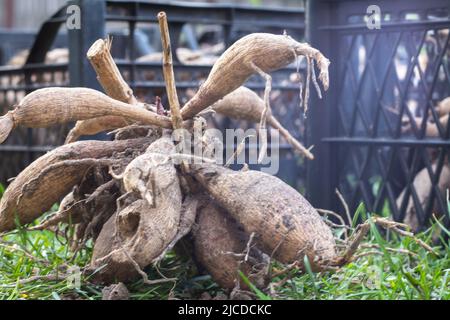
x,y
139,195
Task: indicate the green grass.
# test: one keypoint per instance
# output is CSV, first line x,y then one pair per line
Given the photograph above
x,y
389,275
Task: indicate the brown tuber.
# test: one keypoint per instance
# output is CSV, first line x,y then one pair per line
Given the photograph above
x,y
285,224
244,104
140,232
52,176
251,54
423,186
63,105
220,244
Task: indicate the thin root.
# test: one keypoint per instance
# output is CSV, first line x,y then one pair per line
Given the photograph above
x,y
265,112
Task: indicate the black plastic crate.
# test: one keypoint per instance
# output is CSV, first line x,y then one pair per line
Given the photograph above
x,y
379,78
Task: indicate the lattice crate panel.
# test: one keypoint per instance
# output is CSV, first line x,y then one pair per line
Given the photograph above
x,y
392,78
408,182
8,99
11,165
13,89
377,92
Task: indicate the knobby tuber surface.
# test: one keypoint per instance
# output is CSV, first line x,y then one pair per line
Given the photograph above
x,y
139,174
244,104
44,185
141,231
220,244
285,223
187,220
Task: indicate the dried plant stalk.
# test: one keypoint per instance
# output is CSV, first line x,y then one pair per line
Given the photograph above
x,y
169,76
107,72
114,85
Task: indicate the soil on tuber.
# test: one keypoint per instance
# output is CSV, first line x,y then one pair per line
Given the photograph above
x,y
220,247
285,224
49,178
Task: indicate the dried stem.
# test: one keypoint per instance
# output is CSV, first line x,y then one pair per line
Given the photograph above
x,y
358,236
169,76
238,151
48,277
334,214
249,246
395,250
266,111
290,139
345,205
108,73
394,226
362,230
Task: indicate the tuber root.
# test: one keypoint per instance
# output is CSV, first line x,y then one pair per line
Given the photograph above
x,y
254,53
220,244
423,186
287,227
70,104
443,107
244,104
44,187
138,234
94,126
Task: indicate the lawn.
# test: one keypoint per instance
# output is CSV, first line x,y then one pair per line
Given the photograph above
x,y
394,268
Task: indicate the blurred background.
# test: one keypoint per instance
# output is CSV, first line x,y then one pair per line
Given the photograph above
x,y
26,14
